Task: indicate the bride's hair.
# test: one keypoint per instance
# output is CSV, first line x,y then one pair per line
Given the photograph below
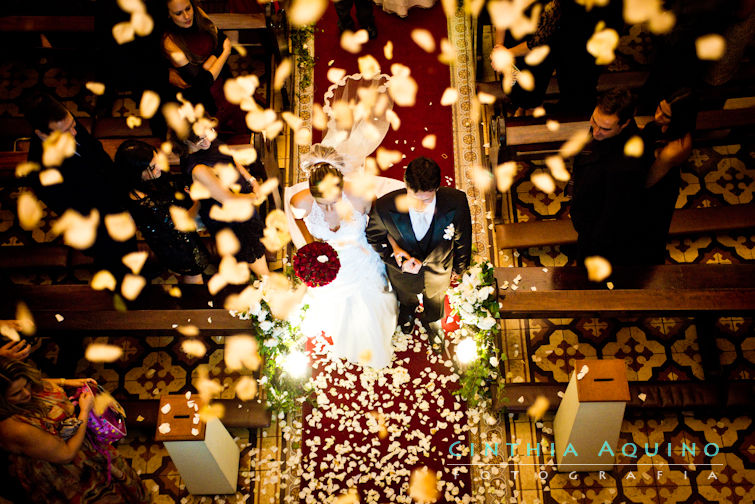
x,y
320,172
319,154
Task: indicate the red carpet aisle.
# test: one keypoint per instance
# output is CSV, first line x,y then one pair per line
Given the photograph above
x,y
372,428
427,116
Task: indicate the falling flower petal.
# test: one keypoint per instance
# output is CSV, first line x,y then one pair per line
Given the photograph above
x,y
102,280
537,55
241,351
29,211
450,96
149,104
131,6
388,50
194,347
639,11
181,219
634,147
429,141
25,319
602,44
486,98
25,168
368,66
57,147
211,411
123,32
282,73
142,23
598,268
306,12
482,179
402,87
188,330
49,177
526,80
135,261
575,144
132,286
100,352
504,175
423,485
557,168
78,231
97,88
353,42
350,497
335,74
120,226
539,408
227,242
662,22
387,158
246,388
424,39
176,121
544,182
710,47
276,234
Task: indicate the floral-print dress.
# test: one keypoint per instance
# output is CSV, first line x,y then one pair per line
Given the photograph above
x,y
85,478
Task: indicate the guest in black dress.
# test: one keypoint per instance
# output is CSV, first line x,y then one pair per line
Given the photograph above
x,y
149,194
199,155
198,53
668,143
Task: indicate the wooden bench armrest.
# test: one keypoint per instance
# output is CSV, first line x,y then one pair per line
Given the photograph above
x,y
686,221
243,414
47,23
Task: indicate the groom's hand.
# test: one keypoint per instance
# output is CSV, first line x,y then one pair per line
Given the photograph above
x,y
412,266
401,256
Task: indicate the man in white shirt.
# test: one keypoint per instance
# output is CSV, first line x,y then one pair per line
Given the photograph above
x,y
424,235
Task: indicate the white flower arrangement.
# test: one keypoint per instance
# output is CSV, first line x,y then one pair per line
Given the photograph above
x,y
448,233
476,305
276,338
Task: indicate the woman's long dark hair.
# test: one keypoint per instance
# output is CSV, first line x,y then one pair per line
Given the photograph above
x,y
131,160
683,103
202,22
10,371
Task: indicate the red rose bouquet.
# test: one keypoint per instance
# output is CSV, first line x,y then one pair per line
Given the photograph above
x,y
316,264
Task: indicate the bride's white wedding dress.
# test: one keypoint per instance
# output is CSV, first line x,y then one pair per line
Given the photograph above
x,y
356,309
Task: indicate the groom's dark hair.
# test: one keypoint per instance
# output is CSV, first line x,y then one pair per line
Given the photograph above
x,y
422,174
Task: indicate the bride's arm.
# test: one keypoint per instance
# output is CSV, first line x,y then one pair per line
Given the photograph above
x,y
301,204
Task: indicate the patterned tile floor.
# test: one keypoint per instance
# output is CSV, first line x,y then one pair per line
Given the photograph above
x,y
713,176
538,350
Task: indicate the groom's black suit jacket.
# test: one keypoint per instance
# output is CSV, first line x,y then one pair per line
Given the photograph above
x,y
440,256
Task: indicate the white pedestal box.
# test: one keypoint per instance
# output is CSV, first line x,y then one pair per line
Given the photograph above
x,y
589,417
205,455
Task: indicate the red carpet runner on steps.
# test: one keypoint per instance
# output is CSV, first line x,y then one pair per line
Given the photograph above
x,y
427,116
372,428
411,403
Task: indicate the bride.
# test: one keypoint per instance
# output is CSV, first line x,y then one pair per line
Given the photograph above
x,y
356,310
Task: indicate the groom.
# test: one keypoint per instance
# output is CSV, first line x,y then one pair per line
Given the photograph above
x,y
424,247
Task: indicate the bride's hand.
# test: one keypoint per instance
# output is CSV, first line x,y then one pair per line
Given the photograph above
x,y
400,255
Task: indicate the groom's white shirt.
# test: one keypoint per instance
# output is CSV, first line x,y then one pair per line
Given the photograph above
x,y
421,220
